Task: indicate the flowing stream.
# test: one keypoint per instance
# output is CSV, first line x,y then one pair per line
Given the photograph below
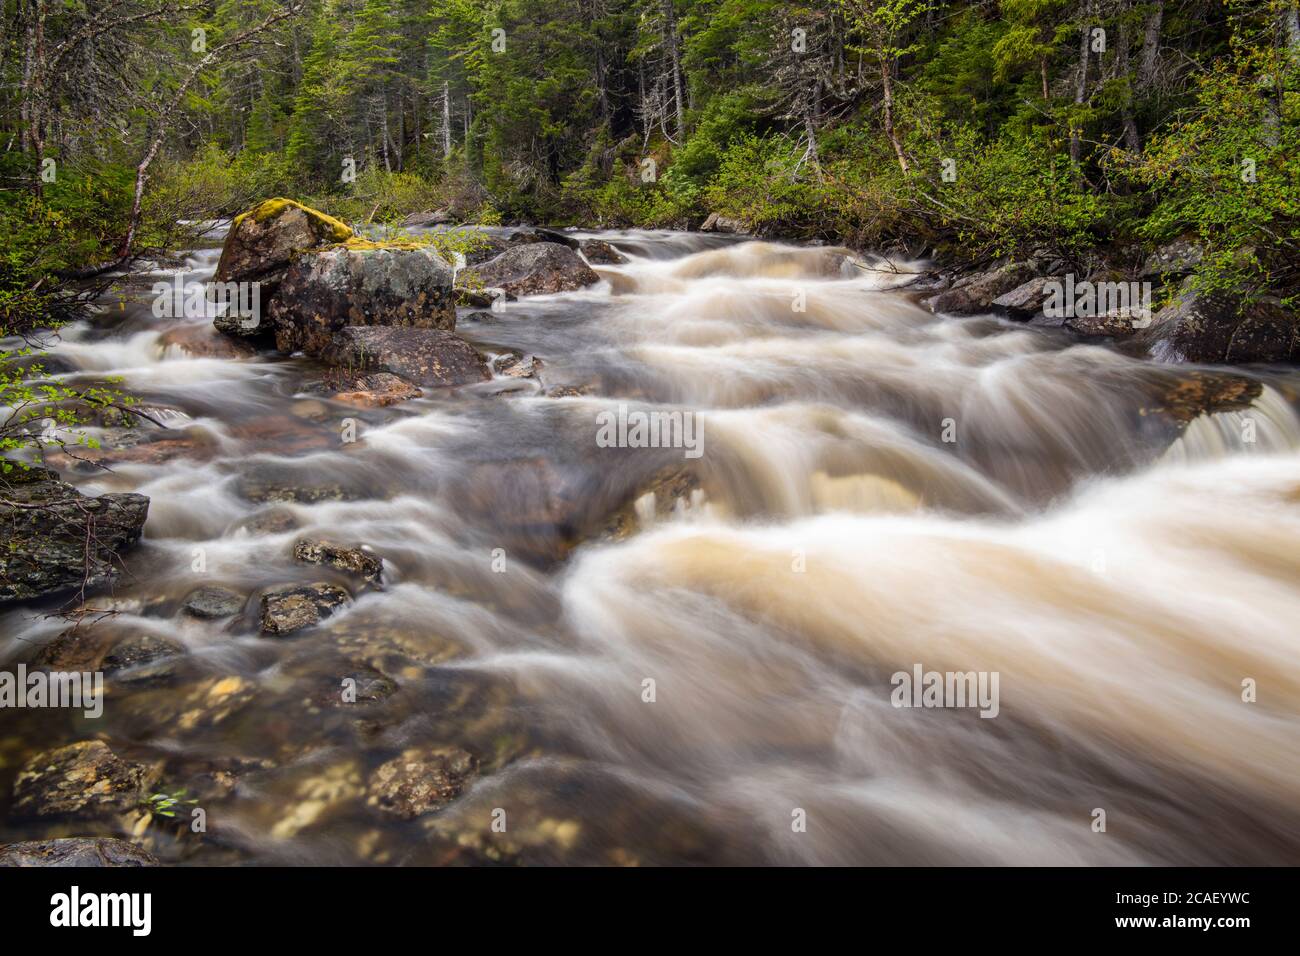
x,y
878,488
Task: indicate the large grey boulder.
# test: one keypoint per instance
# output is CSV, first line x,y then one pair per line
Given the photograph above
x,y
536,268
369,286
57,539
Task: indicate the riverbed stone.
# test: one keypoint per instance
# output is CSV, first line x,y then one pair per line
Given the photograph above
x,y
57,539
538,268
356,561
1219,327
213,601
293,607
976,293
84,780
375,390
76,851
421,781
426,357
600,252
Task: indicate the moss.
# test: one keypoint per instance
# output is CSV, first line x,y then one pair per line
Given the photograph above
x,y
335,230
361,244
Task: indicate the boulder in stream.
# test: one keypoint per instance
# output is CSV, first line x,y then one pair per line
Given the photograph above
x,y
427,357
57,539
361,285
1221,327
84,780
600,252
293,607
357,561
537,268
261,245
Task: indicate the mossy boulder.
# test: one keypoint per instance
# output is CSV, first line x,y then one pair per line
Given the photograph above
x,y
261,245
360,283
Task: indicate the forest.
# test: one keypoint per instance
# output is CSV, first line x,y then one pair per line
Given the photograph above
x,y
972,130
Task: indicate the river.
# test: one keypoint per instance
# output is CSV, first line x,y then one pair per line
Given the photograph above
x,y
878,488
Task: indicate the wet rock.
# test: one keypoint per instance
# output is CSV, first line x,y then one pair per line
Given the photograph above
x,y
1219,327
204,341
76,851
423,356
1176,258
1026,300
421,781
83,780
1197,393
399,287
482,298
284,434
262,244
976,293
273,481
669,491
212,602
368,685
355,561
540,268
569,391
485,318
56,538
436,217
527,236
1116,324
517,366
719,223
140,446
377,390
293,607
600,252
80,648
144,657
269,521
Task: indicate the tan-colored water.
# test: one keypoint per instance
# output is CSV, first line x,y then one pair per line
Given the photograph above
x,y
879,488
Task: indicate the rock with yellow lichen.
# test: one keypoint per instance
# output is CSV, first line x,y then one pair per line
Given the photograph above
x,y
361,283
261,245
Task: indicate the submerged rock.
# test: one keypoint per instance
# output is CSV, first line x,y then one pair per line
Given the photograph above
x,y
517,366
145,657
426,357
356,561
293,607
539,268
76,851
57,539
376,390
205,341
600,252
420,781
213,601
83,780
369,285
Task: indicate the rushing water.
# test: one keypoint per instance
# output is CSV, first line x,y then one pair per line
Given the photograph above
x,y
879,488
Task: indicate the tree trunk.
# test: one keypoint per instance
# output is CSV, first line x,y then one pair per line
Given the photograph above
x,y
1080,89
887,86
446,120
674,56
1151,44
